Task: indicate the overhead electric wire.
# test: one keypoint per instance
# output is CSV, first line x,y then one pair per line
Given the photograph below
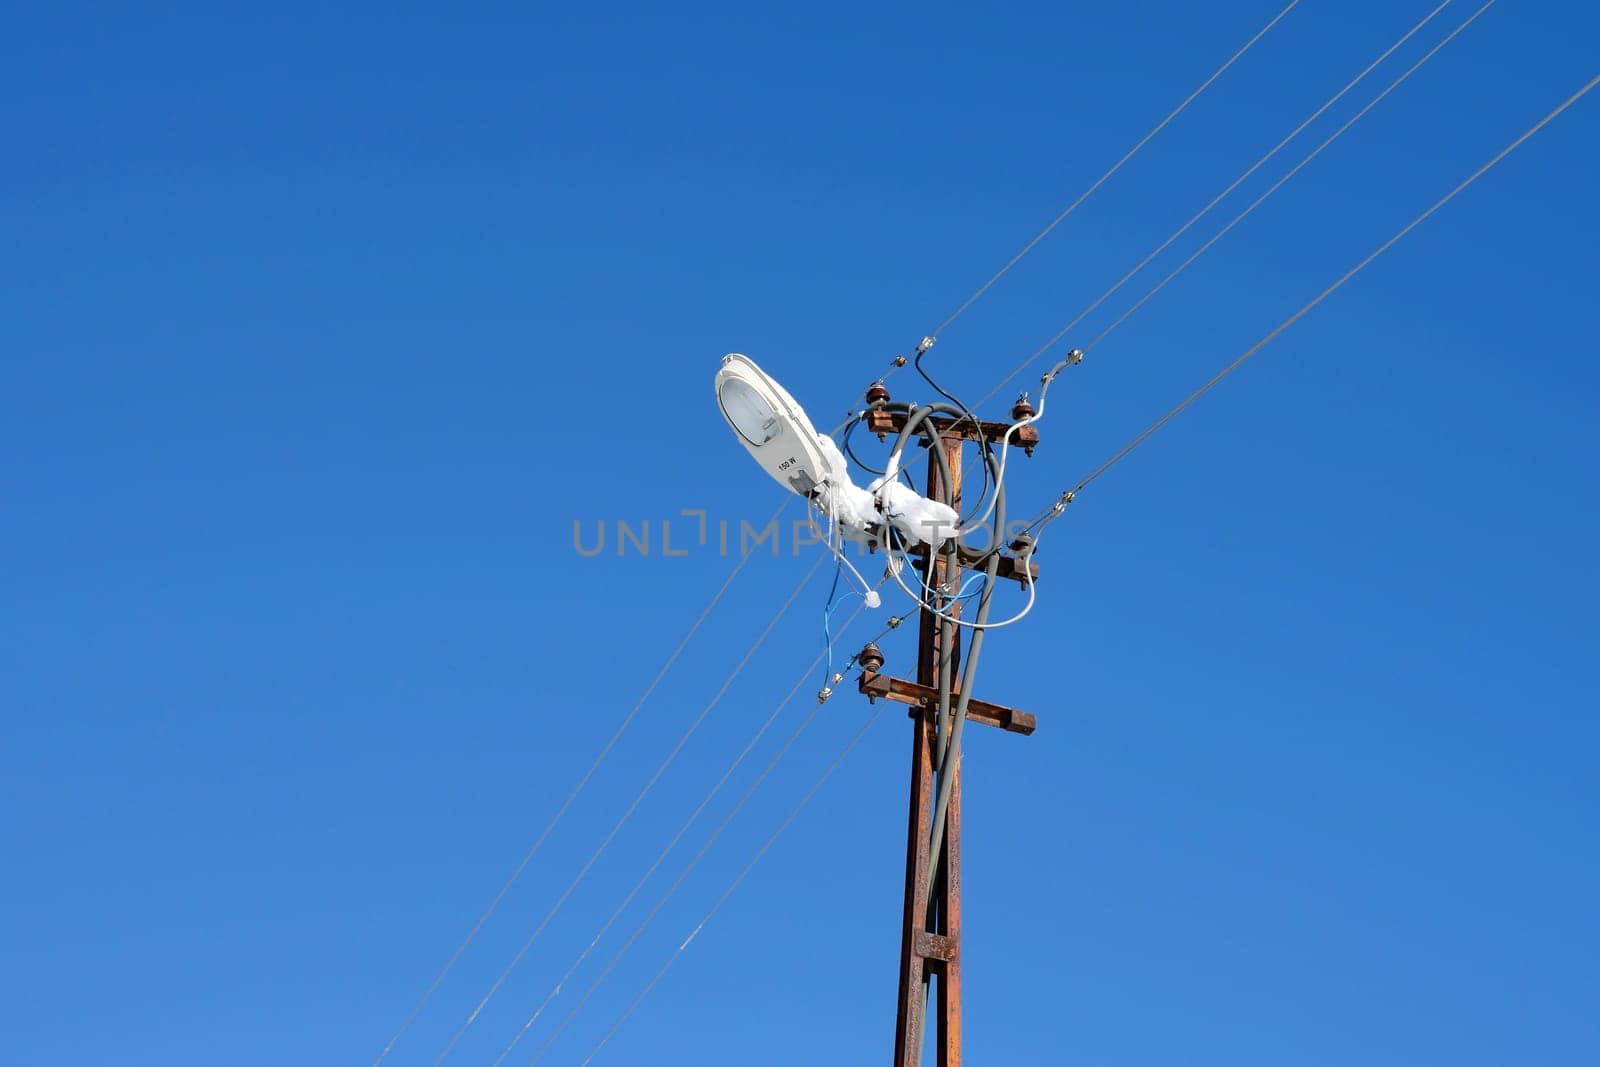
x,y
766,846
626,815
571,797
1098,182
1258,201
737,762
1275,186
1214,201
1144,435
705,847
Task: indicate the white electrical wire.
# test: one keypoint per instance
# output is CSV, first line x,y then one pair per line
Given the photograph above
x,y
826,537
899,562
1005,440
626,816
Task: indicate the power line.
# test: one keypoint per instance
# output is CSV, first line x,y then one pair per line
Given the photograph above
x,y
572,796
1144,435
683,875
1258,201
738,879
706,846
1197,216
626,815
694,815
1157,128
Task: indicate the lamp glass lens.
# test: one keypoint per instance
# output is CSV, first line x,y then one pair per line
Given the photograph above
x,y
748,411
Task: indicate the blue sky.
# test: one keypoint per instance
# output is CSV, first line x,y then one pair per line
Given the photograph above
x,y
322,327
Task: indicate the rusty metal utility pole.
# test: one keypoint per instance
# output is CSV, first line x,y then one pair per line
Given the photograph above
x,y
930,945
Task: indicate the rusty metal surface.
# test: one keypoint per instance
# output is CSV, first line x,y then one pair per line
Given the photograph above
x,y
930,944
875,686
1010,567
887,422
936,922
913,999
936,946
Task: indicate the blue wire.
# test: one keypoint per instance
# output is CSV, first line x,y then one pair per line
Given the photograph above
x,y
974,577
827,617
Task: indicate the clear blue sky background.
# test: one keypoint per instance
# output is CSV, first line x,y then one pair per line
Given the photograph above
x,y
320,326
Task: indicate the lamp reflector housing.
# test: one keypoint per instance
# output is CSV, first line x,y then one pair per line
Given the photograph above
x,y
771,426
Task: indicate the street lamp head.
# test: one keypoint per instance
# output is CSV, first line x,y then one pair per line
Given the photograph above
x,y
771,426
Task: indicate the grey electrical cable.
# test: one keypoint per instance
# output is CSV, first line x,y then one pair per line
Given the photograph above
x,y
952,723
958,722
947,655
1144,435
626,815
571,798
1214,201
766,846
738,761
1174,113
688,868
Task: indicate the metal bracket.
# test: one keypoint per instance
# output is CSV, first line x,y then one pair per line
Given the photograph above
x,y
874,685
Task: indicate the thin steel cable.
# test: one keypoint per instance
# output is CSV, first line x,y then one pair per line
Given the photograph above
x,y
694,861
738,761
1197,216
1174,113
628,814
1211,383
1313,154
567,803
1258,201
738,879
